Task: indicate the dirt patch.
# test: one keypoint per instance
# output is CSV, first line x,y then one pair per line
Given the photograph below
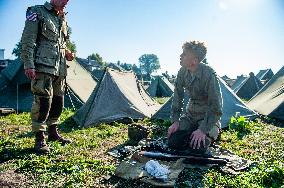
x,y
10,178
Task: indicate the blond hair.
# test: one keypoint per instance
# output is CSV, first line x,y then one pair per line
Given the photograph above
x,y
198,48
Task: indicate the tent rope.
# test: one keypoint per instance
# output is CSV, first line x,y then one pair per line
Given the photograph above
x,y
69,95
79,100
140,90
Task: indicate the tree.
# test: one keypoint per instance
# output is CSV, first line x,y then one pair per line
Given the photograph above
x,y
136,69
96,57
71,44
126,66
17,50
149,63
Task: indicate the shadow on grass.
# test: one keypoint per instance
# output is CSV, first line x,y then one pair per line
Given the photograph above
x,y
8,154
67,126
70,124
272,121
191,177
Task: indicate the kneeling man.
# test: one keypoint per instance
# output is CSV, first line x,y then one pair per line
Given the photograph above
x,y
200,125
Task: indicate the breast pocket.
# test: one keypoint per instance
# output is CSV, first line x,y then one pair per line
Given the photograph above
x,y
194,91
50,30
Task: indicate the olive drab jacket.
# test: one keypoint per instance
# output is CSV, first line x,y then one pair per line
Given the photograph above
x,y
205,104
44,40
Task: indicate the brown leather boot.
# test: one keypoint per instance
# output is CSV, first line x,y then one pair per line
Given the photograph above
x,y
40,144
53,135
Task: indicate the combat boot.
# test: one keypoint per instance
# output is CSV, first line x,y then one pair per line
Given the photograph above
x,y
53,135
40,144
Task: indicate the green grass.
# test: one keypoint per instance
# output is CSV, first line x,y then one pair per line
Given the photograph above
x,y
84,162
77,164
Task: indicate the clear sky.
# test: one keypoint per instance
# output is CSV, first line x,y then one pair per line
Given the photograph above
x,y
242,35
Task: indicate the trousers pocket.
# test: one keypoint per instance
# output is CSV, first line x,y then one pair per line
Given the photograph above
x,y
42,85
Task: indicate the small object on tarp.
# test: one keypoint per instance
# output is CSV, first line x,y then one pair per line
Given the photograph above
x,y
122,152
136,132
158,171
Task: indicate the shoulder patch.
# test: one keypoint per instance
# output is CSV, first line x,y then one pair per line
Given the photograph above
x,y
31,15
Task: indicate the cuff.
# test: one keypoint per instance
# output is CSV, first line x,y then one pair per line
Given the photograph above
x,y
36,126
29,65
175,118
204,127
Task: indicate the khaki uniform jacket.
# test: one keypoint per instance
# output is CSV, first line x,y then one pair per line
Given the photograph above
x,y
205,104
44,40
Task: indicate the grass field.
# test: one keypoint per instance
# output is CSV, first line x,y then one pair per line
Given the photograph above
x,y
84,163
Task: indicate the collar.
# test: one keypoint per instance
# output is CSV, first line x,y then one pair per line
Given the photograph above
x,y
48,6
198,72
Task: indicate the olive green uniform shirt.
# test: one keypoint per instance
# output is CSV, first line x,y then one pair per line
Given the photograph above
x,y
44,40
204,92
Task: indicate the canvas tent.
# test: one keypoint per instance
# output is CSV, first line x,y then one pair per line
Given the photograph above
x,y
228,80
238,82
270,99
249,87
225,77
231,105
115,66
160,87
15,89
266,74
89,64
118,95
80,81
98,74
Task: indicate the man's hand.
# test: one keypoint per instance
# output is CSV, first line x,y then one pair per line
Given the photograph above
x,y
30,73
69,55
173,128
197,138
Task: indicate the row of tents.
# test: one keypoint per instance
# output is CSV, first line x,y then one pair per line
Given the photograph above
x,y
246,87
119,94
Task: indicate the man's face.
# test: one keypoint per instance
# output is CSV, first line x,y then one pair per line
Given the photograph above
x,y
188,60
59,3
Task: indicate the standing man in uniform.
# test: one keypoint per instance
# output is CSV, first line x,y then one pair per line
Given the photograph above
x,y
44,55
199,126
